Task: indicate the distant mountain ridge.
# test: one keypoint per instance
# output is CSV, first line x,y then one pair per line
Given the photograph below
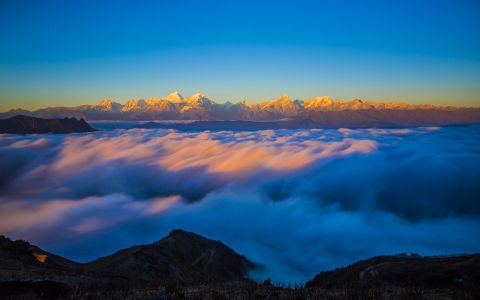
x,y
199,107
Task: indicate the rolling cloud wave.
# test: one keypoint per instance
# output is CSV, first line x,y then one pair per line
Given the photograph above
x,y
294,201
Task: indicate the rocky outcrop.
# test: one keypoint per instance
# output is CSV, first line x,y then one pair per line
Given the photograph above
x,y
25,124
405,271
182,258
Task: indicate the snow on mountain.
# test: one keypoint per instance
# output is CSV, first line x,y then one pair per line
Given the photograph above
x,y
282,106
108,105
174,97
157,104
199,100
319,103
134,105
199,107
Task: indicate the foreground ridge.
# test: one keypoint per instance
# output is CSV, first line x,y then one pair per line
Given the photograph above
x,y
21,124
184,265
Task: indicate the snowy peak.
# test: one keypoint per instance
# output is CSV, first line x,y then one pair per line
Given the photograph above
x,y
174,97
133,105
105,102
196,97
282,106
319,103
357,104
199,100
108,105
152,102
285,98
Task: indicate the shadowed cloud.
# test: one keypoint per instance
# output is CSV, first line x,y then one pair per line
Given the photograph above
x,y
294,201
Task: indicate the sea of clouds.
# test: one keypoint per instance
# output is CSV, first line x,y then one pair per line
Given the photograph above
x,y
295,202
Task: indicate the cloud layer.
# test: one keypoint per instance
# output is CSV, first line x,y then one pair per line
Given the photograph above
x,y
294,201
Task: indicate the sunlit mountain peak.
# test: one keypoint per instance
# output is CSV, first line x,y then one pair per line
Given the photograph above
x,y
174,97
196,96
318,102
133,104
285,98
108,105
198,99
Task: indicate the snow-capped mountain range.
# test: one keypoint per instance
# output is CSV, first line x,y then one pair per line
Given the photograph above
x,y
200,107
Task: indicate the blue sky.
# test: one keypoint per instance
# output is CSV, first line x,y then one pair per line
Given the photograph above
x,y
74,52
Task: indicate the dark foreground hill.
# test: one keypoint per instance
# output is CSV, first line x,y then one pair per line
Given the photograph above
x,y
25,124
443,272
184,265
182,258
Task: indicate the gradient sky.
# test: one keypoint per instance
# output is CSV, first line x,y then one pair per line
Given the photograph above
x,y
76,52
